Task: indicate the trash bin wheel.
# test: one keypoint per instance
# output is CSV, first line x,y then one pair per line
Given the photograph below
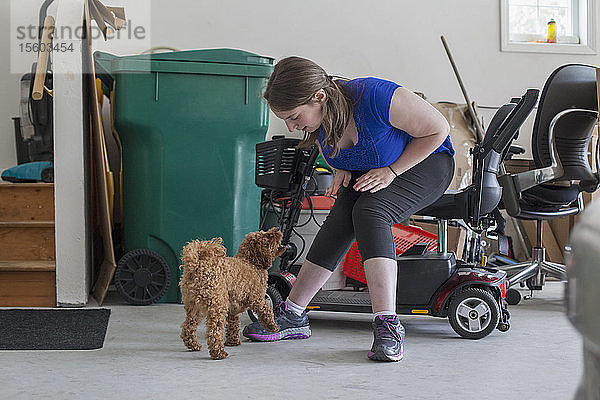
x,y
142,277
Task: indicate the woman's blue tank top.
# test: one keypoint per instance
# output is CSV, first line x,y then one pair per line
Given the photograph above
x,y
379,143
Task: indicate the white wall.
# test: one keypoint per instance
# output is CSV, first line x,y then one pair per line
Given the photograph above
x,y
393,39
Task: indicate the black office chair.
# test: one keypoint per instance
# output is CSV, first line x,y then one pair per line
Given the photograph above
x,y
474,203
565,119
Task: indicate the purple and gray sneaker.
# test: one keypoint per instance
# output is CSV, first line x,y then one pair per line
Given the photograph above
x,y
290,326
388,339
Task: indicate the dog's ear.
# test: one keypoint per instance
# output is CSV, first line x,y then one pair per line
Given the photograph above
x,y
257,249
261,259
274,232
274,235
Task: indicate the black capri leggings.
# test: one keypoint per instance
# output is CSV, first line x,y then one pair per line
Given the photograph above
x,y
369,217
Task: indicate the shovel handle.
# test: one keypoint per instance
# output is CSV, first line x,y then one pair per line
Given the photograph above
x,y
479,133
42,64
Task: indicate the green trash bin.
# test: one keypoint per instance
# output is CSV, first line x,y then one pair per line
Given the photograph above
x,y
188,122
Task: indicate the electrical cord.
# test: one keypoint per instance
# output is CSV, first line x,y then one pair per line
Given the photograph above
x,y
282,215
263,212
308,220
312,212
273,209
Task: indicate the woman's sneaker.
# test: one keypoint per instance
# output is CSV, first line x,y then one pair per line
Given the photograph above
x,y
388,339
290,326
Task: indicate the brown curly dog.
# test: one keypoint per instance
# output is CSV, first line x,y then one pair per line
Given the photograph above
x,y
220,288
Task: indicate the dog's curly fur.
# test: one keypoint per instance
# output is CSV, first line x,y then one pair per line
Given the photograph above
x,y
220,288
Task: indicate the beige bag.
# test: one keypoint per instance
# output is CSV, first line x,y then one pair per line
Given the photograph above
x,y
462,135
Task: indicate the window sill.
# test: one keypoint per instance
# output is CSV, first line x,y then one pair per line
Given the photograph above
x,y
550,48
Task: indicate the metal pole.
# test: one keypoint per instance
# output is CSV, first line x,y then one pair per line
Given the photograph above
x,y
442,236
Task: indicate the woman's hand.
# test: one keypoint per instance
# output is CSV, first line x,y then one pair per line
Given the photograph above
x,y
374,180
340,178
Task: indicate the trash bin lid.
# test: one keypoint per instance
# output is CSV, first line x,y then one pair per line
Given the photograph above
x,y
223,56
211,61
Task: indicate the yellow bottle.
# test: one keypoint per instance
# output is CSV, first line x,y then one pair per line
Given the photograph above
x,y
551,31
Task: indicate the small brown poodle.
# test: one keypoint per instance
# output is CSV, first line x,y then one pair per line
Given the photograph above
x,y
220,288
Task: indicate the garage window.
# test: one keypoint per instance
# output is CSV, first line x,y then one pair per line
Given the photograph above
x,y
527,26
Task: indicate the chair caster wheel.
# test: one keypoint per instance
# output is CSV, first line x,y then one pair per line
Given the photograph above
x,y
531,286
503,326
513,297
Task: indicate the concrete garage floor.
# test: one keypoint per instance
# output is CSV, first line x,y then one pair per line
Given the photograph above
x,y
144,358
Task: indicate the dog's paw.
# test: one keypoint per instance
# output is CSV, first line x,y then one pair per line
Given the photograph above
x,y
233,342
218,354
194,346
272,327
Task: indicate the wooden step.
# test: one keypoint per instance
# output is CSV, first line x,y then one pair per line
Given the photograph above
x,y
27,284
27,241
26,202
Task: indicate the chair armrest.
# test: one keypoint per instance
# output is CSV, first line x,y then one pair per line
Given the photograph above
x,y
514,184
528,179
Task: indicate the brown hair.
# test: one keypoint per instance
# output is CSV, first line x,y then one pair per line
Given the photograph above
x,y
293,83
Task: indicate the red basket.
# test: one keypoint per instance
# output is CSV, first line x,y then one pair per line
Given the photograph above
x,y
404,238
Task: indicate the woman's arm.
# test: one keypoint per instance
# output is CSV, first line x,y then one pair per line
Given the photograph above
x,y
419,119
422,121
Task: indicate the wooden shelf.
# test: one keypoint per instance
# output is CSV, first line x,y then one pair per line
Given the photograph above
x,y
27,224
27,266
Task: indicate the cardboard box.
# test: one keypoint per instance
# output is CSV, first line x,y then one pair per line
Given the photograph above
x,y
518,165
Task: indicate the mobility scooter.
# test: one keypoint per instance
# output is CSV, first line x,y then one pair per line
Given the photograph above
x,y
433,283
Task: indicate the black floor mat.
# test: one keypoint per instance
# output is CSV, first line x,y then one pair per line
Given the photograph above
x,y
53,329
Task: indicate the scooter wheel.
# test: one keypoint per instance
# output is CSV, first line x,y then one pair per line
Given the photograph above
x,y
142,277
473,313
513,297
272,296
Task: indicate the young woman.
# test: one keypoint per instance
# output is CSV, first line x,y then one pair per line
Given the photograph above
x,y
392,157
